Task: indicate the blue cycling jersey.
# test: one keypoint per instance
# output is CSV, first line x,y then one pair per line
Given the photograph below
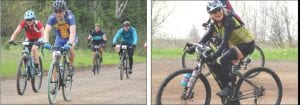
x,y
128,37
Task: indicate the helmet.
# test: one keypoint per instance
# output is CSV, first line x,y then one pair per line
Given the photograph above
x,y
29,15
97,24
214,5
126,23
59,5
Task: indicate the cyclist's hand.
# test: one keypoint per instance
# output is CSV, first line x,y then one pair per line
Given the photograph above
x,y
114,45
67,46
134,46
12,42
47,46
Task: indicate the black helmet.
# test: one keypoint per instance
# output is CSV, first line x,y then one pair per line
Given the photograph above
x,y
214,5
59,5
126,23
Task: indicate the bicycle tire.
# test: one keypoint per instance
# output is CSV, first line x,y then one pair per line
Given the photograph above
x,y
21,74
185,57
261,70
36,85
126,68
122,67
175,74
54,67
67,82
98,63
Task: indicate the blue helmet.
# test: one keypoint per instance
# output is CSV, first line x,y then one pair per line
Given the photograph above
x,y
214,5
29,15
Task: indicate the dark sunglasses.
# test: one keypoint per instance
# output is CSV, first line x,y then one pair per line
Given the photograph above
x,y
28,19
58,11
215,11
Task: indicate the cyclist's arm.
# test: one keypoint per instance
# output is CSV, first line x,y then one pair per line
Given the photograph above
x,y
72,34
41,29
208,34
17,32
228,29
46,33
118,34
134,36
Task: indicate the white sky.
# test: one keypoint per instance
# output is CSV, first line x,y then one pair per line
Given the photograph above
x,y
189,13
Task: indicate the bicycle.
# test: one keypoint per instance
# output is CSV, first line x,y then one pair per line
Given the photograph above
x,y
124,61
246,86
189,57
63,76
27,71
97,59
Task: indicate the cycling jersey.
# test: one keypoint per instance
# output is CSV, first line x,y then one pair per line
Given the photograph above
x,y
127,37
32,31
97,37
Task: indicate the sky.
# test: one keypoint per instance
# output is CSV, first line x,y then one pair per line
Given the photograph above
x,y
189,13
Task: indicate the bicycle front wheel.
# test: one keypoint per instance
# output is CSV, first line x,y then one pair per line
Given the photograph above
x,y
126,65
97,65
171,92
53,82
22,76
264,88
67,82
37,81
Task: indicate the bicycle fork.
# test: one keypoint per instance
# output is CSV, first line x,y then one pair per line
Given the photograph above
x,y
188,91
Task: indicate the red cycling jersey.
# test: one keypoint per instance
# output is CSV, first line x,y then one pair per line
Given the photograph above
x,y
32,31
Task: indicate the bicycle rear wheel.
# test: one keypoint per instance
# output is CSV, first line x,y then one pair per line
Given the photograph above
x,y
264,88
22,76
170,91
67,82
37,81
53,82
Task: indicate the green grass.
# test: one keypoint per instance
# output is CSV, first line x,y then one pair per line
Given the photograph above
x,y
290,54
10,59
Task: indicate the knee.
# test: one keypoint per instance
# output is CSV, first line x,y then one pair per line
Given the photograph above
x,y
34,48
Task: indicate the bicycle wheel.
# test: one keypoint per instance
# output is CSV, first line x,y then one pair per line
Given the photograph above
x,y
67,82
98,62
170,91
37,81
257,58
126,65
265,88
22,76
53,82
189,60
122,67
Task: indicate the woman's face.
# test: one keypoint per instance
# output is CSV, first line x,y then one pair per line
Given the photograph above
x,y
217,14
29,21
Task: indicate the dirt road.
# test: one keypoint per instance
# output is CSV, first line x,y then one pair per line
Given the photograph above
x,y
105,88
287,71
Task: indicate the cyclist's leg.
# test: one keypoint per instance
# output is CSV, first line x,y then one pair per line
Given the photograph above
x,y
130,54
35,54
93,54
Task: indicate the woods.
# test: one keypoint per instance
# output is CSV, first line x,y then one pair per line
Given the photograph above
x,y
109,13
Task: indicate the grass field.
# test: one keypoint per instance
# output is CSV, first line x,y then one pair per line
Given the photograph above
x,y
290,54
10,59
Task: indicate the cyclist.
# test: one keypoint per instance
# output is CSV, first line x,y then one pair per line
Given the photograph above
x,y
63,21
34,29
237,42
226,4
97,37
129,37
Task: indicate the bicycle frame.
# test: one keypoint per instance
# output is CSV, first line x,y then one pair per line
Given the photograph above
x,y
28,59
59,52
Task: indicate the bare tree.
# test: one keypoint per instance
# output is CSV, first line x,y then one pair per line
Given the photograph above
x,y
119,8
159,15
194,35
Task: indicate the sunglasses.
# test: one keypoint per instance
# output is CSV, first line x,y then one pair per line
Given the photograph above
x,y
58,11
28,19
215,11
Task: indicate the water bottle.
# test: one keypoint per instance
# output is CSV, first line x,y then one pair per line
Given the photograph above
x,y
185,79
